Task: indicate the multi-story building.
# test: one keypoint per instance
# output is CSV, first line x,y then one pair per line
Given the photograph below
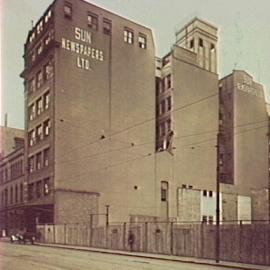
x,y
108,129
187,121
244,153
12,172
89,86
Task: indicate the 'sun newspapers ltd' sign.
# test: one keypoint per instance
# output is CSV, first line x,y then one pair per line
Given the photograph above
x,y
83,49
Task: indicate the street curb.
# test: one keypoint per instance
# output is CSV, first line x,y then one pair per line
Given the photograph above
x,y
112,252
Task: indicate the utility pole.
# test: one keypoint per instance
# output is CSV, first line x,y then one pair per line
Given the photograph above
x,y
217,199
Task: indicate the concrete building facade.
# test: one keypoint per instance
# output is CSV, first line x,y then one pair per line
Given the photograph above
x,y
90,121
187,118
244,129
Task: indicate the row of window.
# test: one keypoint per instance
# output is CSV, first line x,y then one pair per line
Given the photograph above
x,y
39,48
40,26
40,105
39,189
92,19
93,23
201,44
129,38
164,84
14,171
207,193
41,77
39,133
207,219
13,195
39,160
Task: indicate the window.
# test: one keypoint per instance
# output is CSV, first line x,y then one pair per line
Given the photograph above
x,y
39,133
16,194
142,41
39,79
166,60
32,137
21,192
168,81
46,100
128,36
32,85
205,193
164,191
168,125
30,192
48,71
107,27
200,42
204,219
169,103
31,161
92,21
68,10
162,108
46,157
46,128
191,44
210,219
40,48
162,129
11,195
212,47
39,106
38,161
40,27
46,186
210,193
38,189
32,112
48,16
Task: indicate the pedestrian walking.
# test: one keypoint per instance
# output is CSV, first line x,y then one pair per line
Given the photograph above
x,y
131,239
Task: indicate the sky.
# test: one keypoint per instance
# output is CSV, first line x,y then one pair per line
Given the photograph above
x,y
244,37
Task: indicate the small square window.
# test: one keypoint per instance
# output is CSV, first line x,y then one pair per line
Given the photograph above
x,y
204,219
128,36
92,21
107,27
205,193
68,10
142,41
210,193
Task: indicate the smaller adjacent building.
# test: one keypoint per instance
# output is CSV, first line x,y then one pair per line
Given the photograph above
x,y
12,180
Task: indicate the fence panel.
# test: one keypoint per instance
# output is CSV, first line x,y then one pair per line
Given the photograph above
x,y
246,243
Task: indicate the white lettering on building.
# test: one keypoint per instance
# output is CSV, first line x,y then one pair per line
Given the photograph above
x,y
85,50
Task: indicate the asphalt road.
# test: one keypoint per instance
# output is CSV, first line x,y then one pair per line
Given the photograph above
x,y
32,257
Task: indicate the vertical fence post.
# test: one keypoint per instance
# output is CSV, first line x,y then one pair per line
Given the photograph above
x,y
54,236
124,235
171,242
65,233
145,236
202,239
91,230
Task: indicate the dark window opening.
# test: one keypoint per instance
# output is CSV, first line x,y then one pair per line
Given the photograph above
x,y
107,27
92,21
200,42
68,10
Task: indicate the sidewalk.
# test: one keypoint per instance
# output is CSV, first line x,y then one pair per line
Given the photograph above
x,y
229,265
